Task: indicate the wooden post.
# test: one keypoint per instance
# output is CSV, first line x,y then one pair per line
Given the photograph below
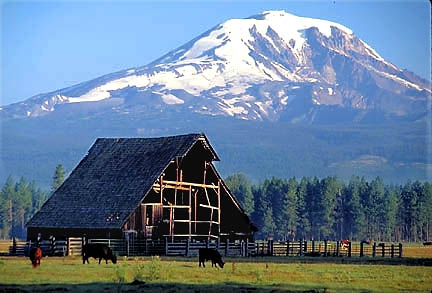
x,y
187,246
361,249
219,207
241,247
161,190
349,248
190,212
400,250
392,251
287,249
67,246
313,245
337,248
305,246
195,212
326,248
145,246
374,250
301,247
383,249
226,247
247,247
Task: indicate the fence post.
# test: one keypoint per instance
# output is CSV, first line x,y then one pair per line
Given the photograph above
x,y
301,247
361,249
374,250
392,251
337,248
313,245
226,247
187,246
325,247
400,250
383,249
14,245
287,249
166,245
247,248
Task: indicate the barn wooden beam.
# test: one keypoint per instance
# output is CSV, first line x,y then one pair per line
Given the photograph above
x,y
190,211
182,183
193,235
156,187
186,221
208,206
219,205
176,206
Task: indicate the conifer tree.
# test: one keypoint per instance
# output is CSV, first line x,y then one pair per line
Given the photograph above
x,y
241,187
58,178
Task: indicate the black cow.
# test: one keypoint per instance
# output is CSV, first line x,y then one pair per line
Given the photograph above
x,y
210,254
36,256
98,251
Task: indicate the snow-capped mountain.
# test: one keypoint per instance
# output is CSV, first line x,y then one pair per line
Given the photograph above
x,y
272,66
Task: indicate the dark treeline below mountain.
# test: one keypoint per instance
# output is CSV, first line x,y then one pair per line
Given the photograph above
x,y
311,208
19,201
329,208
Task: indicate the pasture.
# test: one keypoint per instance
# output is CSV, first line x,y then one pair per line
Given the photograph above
x,y
183,274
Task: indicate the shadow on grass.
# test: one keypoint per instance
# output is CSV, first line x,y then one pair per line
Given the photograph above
x,y
152,287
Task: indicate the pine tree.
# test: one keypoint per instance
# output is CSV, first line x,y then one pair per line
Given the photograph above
x,y
330,189
22,208
290,216
353,216
390,212
7,194
241,187
58,178
303,225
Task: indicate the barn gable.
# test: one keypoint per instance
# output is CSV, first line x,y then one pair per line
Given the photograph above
x,y
122,183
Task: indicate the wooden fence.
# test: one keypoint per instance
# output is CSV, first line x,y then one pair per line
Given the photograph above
x,y
141,247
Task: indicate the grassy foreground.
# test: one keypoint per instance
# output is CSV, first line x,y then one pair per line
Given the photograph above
x,y
170,274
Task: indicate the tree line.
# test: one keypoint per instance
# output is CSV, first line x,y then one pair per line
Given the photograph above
x,y
20,200
329,208
309,208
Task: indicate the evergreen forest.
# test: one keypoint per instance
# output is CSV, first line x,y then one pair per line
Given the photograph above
x,y
284,209
329,208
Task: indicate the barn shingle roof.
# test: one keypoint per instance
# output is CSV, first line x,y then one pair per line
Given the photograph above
x,y
111,180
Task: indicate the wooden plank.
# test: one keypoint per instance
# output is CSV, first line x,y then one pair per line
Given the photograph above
x,y
181,183
156,187
208,206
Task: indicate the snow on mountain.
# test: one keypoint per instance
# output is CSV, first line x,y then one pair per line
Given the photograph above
x,y
271,66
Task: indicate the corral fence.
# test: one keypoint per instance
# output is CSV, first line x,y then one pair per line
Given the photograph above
x,y
237,248
328,248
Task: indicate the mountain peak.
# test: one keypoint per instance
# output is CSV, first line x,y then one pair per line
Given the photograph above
x,y
271,66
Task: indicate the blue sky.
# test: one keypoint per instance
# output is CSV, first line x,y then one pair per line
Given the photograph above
x,y
50,45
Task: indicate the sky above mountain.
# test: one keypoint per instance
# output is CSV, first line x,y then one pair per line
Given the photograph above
x,y
52,45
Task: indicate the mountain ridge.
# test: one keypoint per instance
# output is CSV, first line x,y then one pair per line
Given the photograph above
x,y
259,68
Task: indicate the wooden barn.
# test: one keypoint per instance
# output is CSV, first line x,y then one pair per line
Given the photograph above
x,y
151,188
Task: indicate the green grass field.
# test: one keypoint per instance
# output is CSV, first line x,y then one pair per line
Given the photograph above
x,y
181,274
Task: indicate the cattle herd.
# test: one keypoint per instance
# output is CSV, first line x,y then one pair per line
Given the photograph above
x,y
101,251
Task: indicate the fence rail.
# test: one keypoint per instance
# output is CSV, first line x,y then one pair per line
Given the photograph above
x,y
139,247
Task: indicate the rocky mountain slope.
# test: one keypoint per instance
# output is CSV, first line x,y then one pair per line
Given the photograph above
x,y
272,66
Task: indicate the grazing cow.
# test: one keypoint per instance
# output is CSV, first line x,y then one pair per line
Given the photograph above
x,y
344,244
36,256
98,251
210,254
